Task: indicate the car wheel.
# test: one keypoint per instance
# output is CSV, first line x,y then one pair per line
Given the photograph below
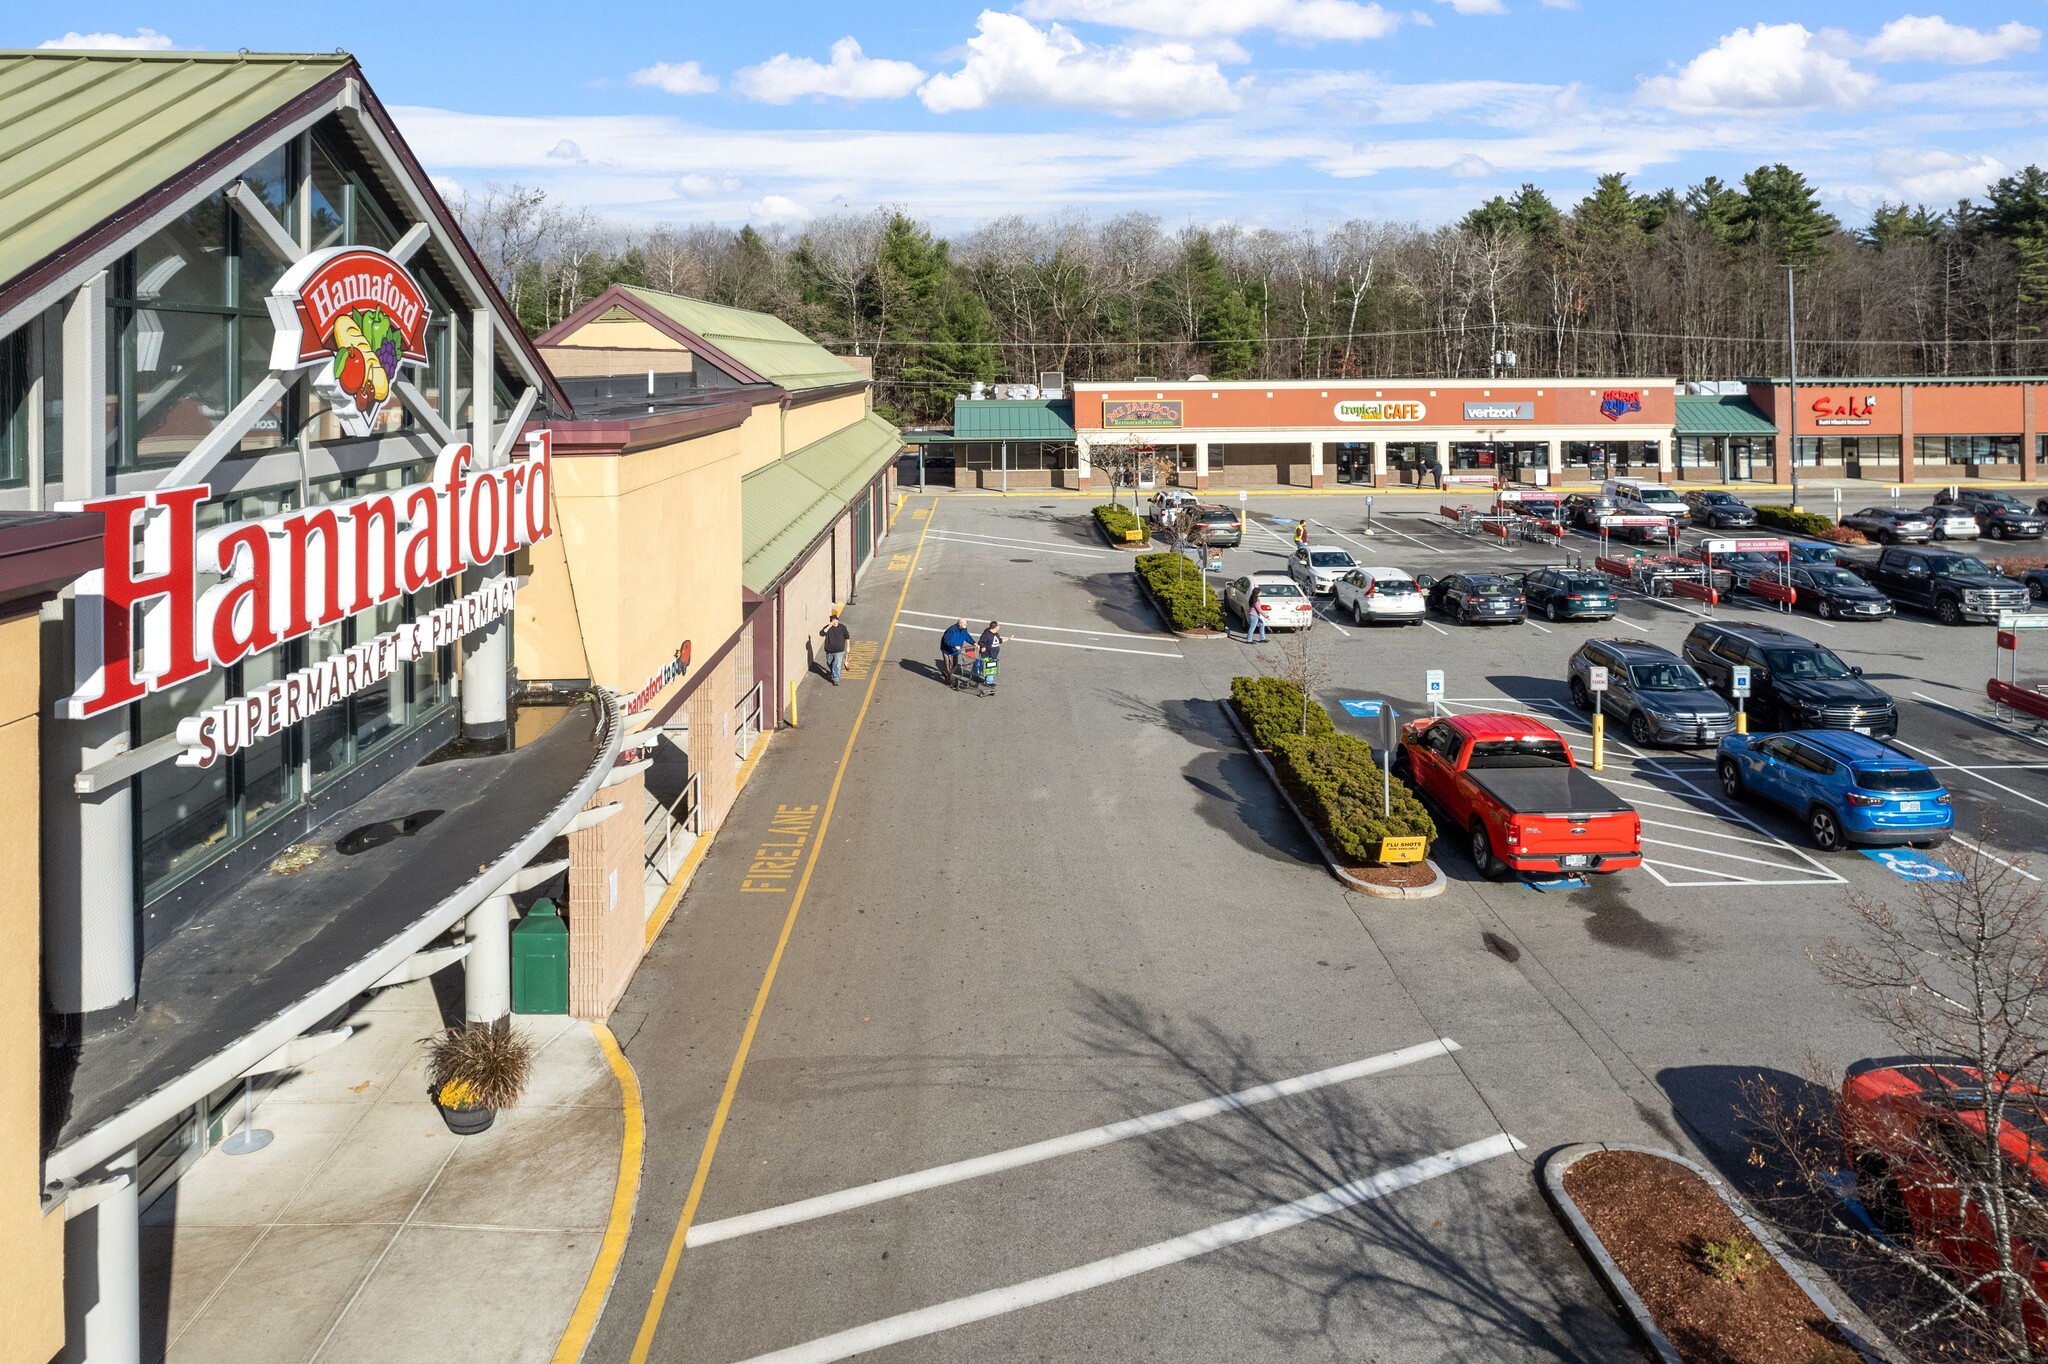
x,y
1947,611
1483,859
1550,611
1878,1189
1639,730
1731,779
1940,535
1357,614
2037,589
1581,698
1824,610
1824,828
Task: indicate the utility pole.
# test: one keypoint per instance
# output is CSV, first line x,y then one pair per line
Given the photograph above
x,y
1792,349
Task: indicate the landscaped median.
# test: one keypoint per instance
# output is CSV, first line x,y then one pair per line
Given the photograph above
x,y
1187,602
1335,786
1807,523
1122,527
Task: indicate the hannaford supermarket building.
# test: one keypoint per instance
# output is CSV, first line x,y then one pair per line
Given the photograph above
x,y
335,628
1322,433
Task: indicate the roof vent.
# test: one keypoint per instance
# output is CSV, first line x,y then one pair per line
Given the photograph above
x,y
1052,383
1198,378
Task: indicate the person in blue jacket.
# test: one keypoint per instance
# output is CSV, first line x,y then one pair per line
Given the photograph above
x,y
956,638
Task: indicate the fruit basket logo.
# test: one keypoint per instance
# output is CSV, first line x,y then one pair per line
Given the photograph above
x,y
353,315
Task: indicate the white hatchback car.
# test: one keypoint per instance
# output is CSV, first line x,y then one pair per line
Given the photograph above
x,y
1318,567
1275,596
1381,596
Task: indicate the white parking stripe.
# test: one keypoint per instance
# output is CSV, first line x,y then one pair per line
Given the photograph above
x,y
861,1196
998,1302
1925,699
1981,850
1056,629
1406,536
1939,763
1035,546
1053,643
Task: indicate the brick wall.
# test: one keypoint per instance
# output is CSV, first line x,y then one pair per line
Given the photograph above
x,y
607,903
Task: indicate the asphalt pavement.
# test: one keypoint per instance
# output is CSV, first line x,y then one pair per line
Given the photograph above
x,y
991,969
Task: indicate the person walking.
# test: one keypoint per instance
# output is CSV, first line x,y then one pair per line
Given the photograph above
x,y
1436,472
1301,532
1255,631
991,641
836,637
956,638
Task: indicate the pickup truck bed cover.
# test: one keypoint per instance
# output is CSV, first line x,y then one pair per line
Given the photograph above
x,y
1547,791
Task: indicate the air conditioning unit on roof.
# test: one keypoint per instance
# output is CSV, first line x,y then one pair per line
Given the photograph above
x,y
1052,383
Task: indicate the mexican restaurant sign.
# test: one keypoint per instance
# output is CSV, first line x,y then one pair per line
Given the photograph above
x,y
1155,412
358,315
1391,411
173,602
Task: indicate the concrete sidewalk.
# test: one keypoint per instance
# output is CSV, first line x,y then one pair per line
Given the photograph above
x,y
366,1231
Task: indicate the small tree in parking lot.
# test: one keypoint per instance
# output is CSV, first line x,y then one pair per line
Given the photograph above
x,y
1128,462
1184,530
1303,663
1957,975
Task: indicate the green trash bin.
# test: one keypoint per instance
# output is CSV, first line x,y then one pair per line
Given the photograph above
x,y
540,962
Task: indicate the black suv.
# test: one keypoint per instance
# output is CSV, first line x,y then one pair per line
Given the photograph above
x,y
1794,683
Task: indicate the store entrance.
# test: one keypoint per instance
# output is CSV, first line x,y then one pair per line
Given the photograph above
x,y
1354,463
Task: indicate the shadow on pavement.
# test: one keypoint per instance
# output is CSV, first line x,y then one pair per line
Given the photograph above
x,y
1116,599
1442,1271
1074,530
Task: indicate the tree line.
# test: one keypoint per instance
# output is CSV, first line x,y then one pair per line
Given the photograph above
x,y
1623,283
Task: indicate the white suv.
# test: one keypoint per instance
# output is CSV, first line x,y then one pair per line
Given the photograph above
x,y
1381,596
1275,596
1318,567
1647,497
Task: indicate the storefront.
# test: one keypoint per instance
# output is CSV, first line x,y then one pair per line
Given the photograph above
x,y
283,757
1723,438
999,443
1908,430
1311,432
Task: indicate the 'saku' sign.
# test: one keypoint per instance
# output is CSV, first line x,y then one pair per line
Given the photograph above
x,y
1140,413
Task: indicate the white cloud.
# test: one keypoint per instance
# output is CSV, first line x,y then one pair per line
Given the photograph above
x,y
784,79
678,78
1937,177
1768,67
1012,61
704,186
1421,18
1914,38
451,188
1560,4
142,40
1302,20
1476,6
777,208
565,150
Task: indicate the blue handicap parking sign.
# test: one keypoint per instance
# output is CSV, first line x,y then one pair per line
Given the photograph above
x,y
1912,865
1365,710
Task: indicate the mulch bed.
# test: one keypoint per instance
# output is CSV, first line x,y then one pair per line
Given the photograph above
x,y
1654,1218
1409,875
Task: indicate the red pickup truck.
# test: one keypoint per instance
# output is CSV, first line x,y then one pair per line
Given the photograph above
x,y
1511,783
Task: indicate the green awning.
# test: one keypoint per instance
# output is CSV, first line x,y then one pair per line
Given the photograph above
x,y
1721,415
844,461
788,504
1013,419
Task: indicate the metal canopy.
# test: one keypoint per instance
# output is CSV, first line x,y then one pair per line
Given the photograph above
x,y
1721,415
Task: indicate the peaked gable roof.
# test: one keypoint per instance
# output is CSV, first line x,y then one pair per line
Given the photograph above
x,y
753,348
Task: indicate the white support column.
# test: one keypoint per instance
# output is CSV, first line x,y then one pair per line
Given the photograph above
x,y
487,970
1201,464
1084,471
485,654
103,1271
1317,452
1667,443
85,391
1379,464
1554,457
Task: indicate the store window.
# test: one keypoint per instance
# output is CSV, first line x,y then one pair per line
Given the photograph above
x,y
32,399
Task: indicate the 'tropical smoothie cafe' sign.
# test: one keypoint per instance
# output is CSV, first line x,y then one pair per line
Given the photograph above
x,y
146,623
1403,411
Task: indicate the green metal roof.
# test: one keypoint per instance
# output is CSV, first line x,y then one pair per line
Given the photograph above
x,y
788,504
1721,415
84,135
767,345
1013,419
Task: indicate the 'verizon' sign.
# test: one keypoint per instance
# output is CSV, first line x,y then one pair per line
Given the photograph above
x,y
146,623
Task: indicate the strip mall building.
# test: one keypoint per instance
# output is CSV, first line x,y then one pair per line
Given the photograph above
x,y
336,628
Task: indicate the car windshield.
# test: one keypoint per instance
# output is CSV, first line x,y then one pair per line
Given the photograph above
x,y
1665,677
1276,589
1896,779
1529,752
1584,582
1659,497
1216,515
1826,554
1393,587
1942,513
1331,558
1958,566
1719,499
1841,579
1806,664
1492,589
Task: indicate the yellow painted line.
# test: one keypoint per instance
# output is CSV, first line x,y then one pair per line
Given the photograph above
x,y
666,1280
598,1287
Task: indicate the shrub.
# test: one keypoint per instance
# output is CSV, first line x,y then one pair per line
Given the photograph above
x,y
1181,591
1118,520
1843,535
1271,710
481,1065
1736,1260
1341,782
1799,523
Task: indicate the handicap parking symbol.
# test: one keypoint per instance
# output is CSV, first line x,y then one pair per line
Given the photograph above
x,y
1365,710
1912,866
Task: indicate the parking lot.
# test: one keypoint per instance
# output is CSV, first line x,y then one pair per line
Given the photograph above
x,y
1077,1049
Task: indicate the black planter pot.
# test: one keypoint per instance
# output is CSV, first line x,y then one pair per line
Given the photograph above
x,y
467,1122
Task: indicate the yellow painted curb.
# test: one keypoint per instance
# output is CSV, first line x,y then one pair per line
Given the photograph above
x,y
625,1193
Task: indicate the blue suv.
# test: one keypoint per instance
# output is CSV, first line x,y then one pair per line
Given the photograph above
x,y
1849,788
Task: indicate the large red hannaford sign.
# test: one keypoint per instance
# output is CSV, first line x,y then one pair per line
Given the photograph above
x,y
357,314
144,623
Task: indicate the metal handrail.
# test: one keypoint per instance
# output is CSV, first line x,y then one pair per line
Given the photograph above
x,y
662,823
750,723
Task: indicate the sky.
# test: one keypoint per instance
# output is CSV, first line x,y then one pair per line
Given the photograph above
x,y
1266,113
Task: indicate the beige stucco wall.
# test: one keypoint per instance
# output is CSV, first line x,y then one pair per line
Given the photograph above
x,y
815,421
761,438
31,1243
625,333
577,362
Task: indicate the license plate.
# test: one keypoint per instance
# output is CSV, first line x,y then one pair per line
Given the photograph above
x,y
1576,860
1859,729
1910,806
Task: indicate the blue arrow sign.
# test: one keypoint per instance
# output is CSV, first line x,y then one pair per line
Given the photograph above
x,y
1364,710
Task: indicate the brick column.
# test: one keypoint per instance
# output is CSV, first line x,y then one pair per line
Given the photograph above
x,y
607,909
1908,472
2030,458
1316,453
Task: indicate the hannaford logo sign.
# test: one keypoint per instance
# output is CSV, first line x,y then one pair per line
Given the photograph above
x,y
1829,410
145,624
1140,412
1392,411
1617,403
356,313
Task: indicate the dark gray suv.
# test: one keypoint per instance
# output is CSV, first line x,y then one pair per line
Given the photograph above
x,y
1654,692
1794,683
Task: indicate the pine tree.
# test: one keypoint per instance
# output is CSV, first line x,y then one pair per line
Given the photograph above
x,y
1723,211
1895,223
2018,212
1785,215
